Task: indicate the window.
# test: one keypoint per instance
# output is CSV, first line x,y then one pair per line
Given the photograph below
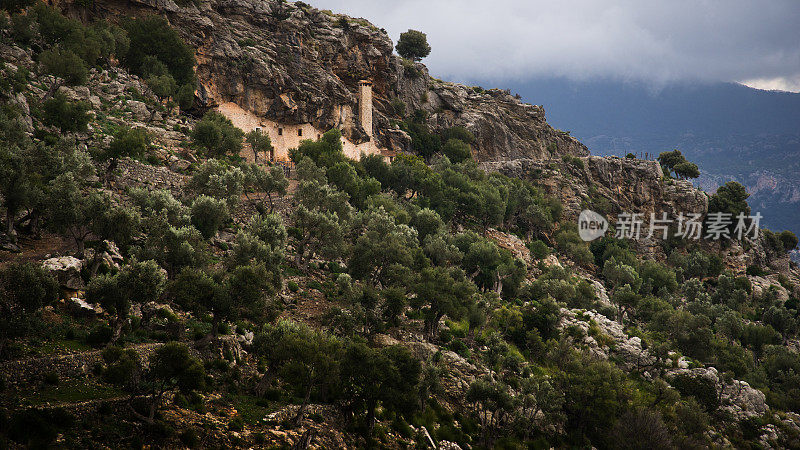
x,y
299,131
280,131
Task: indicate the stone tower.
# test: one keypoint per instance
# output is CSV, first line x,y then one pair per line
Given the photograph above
x,y
365,105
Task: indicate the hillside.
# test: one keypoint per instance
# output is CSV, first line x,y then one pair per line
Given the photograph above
x,y
170,280
731,131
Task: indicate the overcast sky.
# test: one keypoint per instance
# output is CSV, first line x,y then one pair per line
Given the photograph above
x,y
755,42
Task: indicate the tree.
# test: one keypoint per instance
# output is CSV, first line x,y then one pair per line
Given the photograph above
x,y
64,114
441,291
15,171
171,367
67,68
788,239
208,215
270,181
492,403
427,222
687,169
218,180
152,36
413,45
381,244
674,161
305,359
24,289
388,376
72,212
139,280
216,134
730,198
260,143
457,150
316,233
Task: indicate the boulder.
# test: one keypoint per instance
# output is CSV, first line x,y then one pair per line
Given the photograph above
x,y
67,270
82,307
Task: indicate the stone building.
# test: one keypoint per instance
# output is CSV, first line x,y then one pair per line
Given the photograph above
x,y
287,136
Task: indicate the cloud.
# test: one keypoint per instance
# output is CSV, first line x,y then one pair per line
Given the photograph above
x,y
713,40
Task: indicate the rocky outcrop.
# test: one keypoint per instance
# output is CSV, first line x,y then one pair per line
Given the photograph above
x,y
293,64
66,270
609,185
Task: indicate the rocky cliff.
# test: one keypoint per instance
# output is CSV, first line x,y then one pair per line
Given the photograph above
x,y
293,64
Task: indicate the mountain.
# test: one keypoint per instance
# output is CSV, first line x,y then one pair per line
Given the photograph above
x,y
731,131
167,280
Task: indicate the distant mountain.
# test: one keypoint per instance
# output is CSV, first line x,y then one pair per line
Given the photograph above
x,y
731,131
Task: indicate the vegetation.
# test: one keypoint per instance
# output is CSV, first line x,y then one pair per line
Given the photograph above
x,y
419,292
413,45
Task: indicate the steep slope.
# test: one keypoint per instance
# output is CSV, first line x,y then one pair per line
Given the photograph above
x,y
294,64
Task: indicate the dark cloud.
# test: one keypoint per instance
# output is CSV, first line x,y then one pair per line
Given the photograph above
x,y
727,40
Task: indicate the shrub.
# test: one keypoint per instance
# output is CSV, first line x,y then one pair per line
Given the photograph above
x,y
208,215
216,134
64,114
99,335
131,142
701,388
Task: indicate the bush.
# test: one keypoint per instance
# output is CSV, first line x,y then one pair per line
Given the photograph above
x,y
457,150
539,250
99,335
153,37
131,142
208,215
190,438
701,388
216,134
27,286
66,115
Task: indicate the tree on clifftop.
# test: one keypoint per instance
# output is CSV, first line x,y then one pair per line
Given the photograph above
x,y
413,45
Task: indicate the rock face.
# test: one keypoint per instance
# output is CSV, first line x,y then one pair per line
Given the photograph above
x,y
294,64
609,185
67,270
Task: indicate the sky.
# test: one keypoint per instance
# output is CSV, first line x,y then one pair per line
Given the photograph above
x,y
753,42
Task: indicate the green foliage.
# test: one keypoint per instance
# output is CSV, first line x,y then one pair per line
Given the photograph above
x,y
539,250
219,181
216,135
66,115
675,162
132,142
730,198
65,65
208,215
173,366
260,143
570,243
413,45
441,291
153,37
703,389
457,150
427,222
26,286
316,233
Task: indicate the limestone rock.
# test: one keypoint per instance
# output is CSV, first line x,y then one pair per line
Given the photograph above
x,y
294,64
67,270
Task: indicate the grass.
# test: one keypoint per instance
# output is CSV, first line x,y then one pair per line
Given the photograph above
x,y
251,409
61,347
71,391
